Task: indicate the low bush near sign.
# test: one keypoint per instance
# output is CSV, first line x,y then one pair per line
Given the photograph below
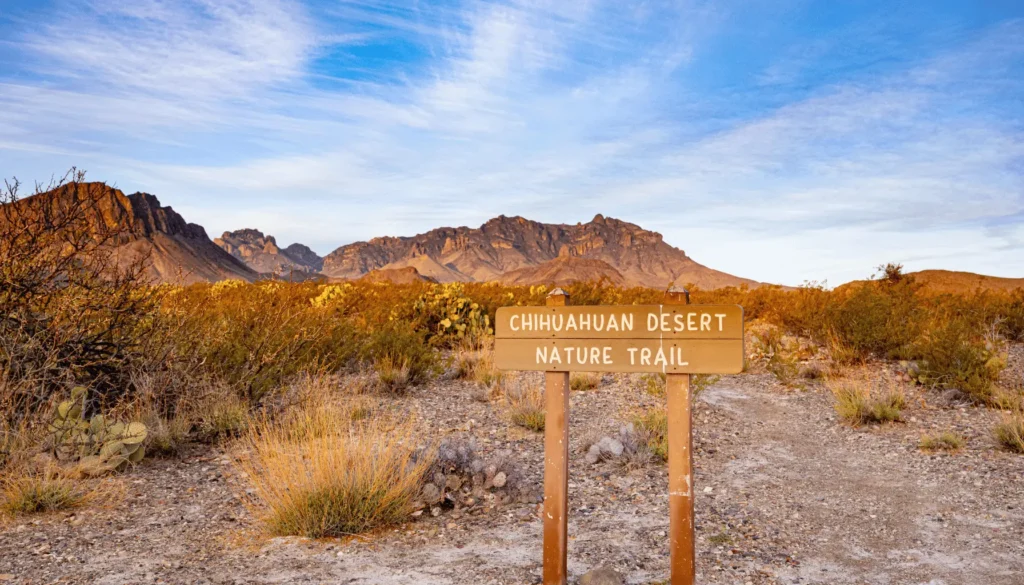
x,y
652,426
864,401
579,381
526,407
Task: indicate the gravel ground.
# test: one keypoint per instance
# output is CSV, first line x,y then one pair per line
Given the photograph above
x,y
785,495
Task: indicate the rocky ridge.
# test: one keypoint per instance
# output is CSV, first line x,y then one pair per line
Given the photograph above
x,y
261,253
508,244
174,250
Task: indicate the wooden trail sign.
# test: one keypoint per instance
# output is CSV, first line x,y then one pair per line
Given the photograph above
x,y
673,338
682,339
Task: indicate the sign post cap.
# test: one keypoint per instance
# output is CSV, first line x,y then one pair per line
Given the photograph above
x,y
678,289
558,292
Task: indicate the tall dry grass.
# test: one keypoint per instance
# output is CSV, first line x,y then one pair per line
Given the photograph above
x,y
317,473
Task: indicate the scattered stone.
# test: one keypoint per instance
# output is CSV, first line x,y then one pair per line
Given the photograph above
x,y
499,479
602,576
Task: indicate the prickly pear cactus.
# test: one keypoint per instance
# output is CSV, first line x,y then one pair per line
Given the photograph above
x,y
98,445
452,315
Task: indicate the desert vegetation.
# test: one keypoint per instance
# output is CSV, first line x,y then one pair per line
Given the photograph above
x,y
100,370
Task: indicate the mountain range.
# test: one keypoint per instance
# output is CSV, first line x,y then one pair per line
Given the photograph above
x,y
511,250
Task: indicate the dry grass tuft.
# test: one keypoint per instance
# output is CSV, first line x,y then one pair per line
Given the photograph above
x,y
526,407
945,441
652,426
1010,432
33,493
223,414
863,401
318,474
579,381
393,375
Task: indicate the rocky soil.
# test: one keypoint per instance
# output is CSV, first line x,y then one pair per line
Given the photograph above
x,y
785,495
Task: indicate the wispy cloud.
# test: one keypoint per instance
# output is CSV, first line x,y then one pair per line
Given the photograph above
x,y
326,124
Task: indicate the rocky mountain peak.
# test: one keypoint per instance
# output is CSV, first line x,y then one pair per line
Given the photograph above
x,y
504,244
260,252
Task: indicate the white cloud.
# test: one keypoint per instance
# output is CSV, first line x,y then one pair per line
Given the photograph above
x,y
552,110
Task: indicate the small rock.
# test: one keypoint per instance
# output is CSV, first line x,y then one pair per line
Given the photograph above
x,y
431,494
499,479
453,483
602,576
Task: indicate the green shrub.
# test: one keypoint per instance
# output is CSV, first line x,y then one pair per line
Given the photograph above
x,y
945,441
526,408
878,318
1010,432
579,381
652,427
954,353
402,355
857,403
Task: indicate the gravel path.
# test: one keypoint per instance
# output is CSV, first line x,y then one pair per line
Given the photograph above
x,y
785,495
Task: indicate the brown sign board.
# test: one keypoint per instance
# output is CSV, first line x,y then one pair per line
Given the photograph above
x,y
620,322
680,339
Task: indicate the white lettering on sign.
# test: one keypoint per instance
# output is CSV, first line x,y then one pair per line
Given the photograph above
x,y
558,322
582,356
669,323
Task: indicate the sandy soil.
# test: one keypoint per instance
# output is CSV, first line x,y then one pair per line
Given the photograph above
x,y
785,495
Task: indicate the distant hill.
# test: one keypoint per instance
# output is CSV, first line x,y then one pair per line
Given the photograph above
x,y
177,251
514,245
260,252
949,281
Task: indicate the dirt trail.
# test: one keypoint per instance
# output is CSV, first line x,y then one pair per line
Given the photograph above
x,y
784,495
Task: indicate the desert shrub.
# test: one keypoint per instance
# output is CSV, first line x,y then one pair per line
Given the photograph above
x,y
393,374
777,354
652,426
452,317
944,441
878,318
865,401
655,384
71,311
222,414
323,476
526,407
956,353
33,493
812,372
1012,316
580,381
1009,432
256,336
401,355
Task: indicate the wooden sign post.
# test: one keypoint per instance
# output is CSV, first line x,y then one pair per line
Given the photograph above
x,y
675,339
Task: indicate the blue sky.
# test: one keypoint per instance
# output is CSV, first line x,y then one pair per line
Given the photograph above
x,y
778,140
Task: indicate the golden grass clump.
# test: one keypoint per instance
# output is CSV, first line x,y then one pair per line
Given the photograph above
x,y
652,426
863,401
1009,433
579,381
33,493
318,474
944,441
526,407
